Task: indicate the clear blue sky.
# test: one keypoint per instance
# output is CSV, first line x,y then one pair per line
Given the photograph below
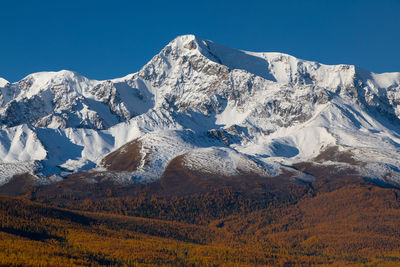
x,y
108,39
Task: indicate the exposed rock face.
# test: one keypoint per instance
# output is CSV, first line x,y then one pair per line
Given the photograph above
x,y
223,105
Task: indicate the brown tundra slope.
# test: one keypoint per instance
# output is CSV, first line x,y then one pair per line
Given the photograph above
x,y
194,218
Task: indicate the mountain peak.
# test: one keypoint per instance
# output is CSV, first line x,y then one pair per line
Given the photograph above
x,y
192,45
37,82
196,94
273,66
3,82
45,76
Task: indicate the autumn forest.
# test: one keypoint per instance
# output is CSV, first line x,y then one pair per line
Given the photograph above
x,y
195,220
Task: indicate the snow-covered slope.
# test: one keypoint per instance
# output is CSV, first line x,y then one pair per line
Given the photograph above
x,y
220,109
3,82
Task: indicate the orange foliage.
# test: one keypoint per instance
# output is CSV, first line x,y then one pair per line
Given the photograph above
x,y
329,222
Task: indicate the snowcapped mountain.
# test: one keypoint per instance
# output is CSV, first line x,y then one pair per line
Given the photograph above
x,y
214,109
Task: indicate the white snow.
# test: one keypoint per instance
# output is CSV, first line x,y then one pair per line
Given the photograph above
x,y
41,81
231,115
385,80
20,143
226,162
160,147
227,111
3,82
8,170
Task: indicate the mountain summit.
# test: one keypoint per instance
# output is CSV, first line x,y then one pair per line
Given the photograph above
x,y
209,109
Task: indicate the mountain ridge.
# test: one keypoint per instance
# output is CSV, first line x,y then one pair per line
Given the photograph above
x,y
198,99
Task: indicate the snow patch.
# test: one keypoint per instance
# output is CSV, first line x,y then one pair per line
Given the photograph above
x,y
226,162
3,82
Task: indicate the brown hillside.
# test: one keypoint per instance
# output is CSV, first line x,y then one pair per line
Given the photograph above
x,y
126,158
